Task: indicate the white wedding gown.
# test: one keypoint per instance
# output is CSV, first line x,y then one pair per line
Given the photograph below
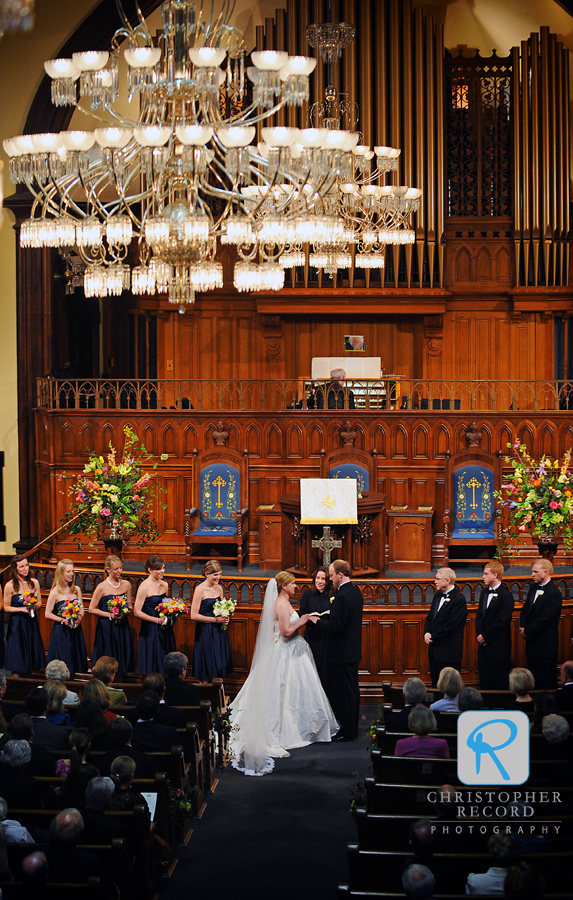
x,y
280,708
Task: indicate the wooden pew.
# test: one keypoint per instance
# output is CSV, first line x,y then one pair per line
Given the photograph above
x,y
411,770
493,699
113,858
344,892
90,890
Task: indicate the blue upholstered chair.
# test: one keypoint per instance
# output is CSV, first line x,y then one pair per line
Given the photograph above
x,y
218,528
352,470
470,517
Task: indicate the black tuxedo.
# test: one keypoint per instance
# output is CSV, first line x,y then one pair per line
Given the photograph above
x,y
145,766
181,693
447,630
344,627
493,622
48,735
150,737
540,621
564,698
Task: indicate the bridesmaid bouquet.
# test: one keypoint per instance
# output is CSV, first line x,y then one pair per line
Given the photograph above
x,y
118,606
170,609
70,611
30,600
224,608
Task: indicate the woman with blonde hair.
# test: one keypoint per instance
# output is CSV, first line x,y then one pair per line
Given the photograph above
x,y
67,639
126,797
112,635
96,690
57,693
450,683
521,682
211,651
282,704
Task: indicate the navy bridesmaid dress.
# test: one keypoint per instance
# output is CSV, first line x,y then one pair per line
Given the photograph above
x,y
113,638
24,648
67,644
211,653
155,641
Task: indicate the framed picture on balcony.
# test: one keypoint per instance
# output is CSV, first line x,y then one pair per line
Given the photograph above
x,y
354,343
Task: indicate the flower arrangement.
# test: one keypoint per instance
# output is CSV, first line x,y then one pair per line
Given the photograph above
x,y
170,609
182,803
376,722
538,496
30,600
112,496
224,607
70,610
357,793
118,607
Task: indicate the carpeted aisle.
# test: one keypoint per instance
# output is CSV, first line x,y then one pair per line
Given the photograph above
x,y
279,836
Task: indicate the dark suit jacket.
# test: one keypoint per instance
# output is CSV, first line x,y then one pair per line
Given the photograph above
x,y
68,863
541,620
494,623
447,628
166,715
101,829
398,721
181,693
42,762
150,736
19,789
564,698
344,625
144,764
50,736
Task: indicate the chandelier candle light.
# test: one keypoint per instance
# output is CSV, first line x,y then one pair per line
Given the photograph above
x,y
181,176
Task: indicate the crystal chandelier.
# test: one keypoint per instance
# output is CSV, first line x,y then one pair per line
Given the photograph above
x,y
145,202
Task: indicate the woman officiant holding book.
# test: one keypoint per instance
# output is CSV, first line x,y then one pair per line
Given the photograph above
x,y
317,599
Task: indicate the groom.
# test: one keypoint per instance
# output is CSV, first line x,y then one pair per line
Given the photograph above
x,y
344,627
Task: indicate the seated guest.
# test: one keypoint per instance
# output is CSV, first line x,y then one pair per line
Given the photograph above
x,y
57,670
469,698
73,791
41,763
166,715
451,683
90,716
96,690
544,705
504,850
33,872
421,722
105,670
149,735
65,861
521,682
418,881
122,775
120,733
555,730
337,396
46,734
523,882
564,696
80,742
414,693
18,787
179,692
13,831
99,828
57,693
7,710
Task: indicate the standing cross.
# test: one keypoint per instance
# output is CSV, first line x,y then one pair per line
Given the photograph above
x,y
327,543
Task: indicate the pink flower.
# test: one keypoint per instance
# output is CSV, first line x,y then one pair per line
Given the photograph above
x,y
115,610
554,504
106,512
522,528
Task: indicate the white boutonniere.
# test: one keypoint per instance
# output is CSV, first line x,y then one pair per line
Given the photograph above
x,y
492,596
332,598
539,593
446,599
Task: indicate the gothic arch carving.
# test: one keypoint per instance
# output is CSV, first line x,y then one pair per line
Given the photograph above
x,y
463,265
420,442
253,439
273,441
108,435
294,442
170,440
399,442
442,440
149,438
189,440
483,265
68,439
88,438
379,440
315,439
547,442
526,435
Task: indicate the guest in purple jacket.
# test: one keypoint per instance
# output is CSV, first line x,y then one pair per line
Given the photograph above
x,y
421,722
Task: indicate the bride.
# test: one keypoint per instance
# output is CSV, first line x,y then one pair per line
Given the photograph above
x,y
282,704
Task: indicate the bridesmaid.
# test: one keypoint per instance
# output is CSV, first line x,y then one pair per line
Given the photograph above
x,y
67,638
317,599
211,653
155,639
24,648
112,638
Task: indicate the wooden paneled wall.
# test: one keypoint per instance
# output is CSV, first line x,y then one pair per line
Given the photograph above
x,y
283,446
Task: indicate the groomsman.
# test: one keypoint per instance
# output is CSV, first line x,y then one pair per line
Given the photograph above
x,y
539,621
493,630
444,628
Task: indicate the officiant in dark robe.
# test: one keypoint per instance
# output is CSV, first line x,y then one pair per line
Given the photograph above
x,y
317,599
344,629
444,628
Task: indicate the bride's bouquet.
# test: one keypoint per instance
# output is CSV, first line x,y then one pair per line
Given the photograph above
x,y
170,609
30,600
70,610
118,607
224,607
